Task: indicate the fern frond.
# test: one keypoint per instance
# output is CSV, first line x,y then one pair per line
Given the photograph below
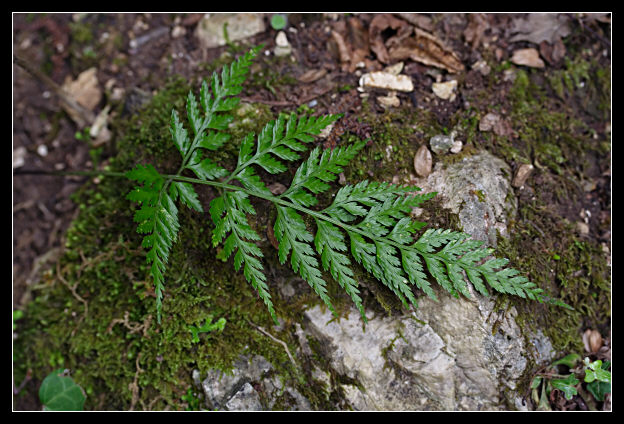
x,y
369,221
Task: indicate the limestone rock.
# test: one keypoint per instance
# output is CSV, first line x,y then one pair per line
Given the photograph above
x,y
209,30
478,190
387,81
441,143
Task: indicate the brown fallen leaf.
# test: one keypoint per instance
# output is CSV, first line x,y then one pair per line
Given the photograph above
x,y
418,19
527,57
84,89
553,53
538,27
477,24
343,51
592,340
424,48
522,174
358,38
380,24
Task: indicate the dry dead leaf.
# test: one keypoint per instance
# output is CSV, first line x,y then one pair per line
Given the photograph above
x,y
424,48
84,89
527,57
522,174
381,24
358,37
477,24
538,27
418,19
343,50
553,53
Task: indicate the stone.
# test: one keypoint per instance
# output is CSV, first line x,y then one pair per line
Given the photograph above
x,y
423,161
386,80
456,147
482,67
282,46
478,189
445,90
442,356
245,399
209,31
391,100
441,143
527,57
220,387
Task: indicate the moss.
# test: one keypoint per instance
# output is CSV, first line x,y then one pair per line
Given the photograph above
x,y
128,360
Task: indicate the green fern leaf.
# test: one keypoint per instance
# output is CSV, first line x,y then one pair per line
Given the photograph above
x,y
374,217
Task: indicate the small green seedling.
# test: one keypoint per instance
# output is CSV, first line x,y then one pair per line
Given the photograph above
x,y
278,21
596,375
59,392
206,328
598,378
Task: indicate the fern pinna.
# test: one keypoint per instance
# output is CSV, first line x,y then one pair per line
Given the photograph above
x,y
368,222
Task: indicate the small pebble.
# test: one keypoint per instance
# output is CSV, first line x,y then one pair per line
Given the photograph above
x,y
42,150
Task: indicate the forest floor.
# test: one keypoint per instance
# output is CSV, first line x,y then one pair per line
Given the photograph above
x,y
133,55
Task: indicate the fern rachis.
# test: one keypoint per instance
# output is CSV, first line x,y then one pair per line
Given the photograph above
x,y
368,222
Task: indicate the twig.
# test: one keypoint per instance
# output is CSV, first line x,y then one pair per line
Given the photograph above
x,y
134,386
73,291
263,331
82,114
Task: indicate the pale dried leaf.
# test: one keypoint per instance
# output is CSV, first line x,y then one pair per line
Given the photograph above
x,y
425,48
381,23
538,27
418,19
85,89
477,24
522,174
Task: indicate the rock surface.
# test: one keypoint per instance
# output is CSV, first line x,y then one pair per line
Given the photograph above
x,y
450,354
209,30
479,191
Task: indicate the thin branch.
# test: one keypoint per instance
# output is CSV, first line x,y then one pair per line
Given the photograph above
x,y
82,114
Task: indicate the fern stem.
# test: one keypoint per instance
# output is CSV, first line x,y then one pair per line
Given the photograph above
x,y
315,214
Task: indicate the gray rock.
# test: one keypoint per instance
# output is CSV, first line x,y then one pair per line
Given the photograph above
x,y
442,356
441,144
220,387
479,191
245,399
209,31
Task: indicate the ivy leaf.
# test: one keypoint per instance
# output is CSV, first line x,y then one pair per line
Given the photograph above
x,y
566,385
59,392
